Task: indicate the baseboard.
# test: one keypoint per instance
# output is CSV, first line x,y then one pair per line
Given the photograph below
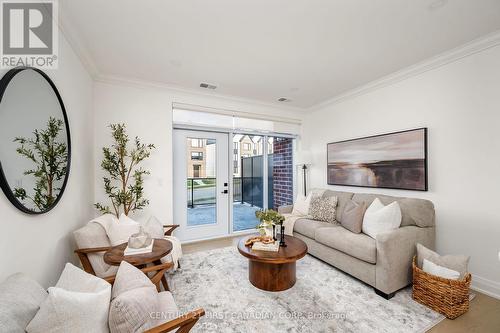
x,y
485,286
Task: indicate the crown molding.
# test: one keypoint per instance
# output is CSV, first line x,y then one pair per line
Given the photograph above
x,y
468,49
72,37
138,83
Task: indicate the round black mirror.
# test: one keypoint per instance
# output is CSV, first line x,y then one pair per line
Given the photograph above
x,y
35,146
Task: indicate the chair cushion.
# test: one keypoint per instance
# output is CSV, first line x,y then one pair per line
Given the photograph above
x,y
20,299
359,246
128,278
78,303
307,227
136,304
120,232
168,308
91,236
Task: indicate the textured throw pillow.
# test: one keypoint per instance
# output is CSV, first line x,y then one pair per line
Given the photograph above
x,y
457,263
120,232
78,303
323,209
432,268
352,219
379,218
136,302
20,299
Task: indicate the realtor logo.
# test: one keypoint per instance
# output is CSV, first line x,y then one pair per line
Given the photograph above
x,y
29,33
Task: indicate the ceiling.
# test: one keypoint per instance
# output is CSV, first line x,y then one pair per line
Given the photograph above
x,y
308,51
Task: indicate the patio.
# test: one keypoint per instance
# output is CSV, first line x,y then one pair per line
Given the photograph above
x,y
243,216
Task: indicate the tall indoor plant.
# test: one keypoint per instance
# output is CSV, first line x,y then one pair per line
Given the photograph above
x,y
50,158
124,181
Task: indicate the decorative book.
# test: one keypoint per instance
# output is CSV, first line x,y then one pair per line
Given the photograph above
x,y
131,251
272,247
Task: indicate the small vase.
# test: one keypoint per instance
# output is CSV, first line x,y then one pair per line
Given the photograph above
x,y
139,240
269,229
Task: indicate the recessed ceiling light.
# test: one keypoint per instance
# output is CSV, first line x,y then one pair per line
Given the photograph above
x,y
284,99
208,86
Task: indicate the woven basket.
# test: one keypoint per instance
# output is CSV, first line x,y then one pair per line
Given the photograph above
x,y
448,297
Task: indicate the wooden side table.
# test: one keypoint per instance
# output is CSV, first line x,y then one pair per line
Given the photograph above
x,y
273,271
161,247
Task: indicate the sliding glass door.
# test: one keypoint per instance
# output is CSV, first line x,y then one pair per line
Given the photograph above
x,y
219,176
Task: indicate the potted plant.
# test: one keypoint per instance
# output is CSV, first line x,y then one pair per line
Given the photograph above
x,y
267,219
124,182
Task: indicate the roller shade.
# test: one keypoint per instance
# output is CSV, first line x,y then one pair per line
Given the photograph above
x,y
185,116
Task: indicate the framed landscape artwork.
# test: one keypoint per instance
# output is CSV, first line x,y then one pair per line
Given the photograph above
x,y
394,160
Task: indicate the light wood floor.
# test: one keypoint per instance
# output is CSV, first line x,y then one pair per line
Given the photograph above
x,y
483,316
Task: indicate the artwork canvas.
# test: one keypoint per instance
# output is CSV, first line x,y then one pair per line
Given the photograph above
x,y
395,160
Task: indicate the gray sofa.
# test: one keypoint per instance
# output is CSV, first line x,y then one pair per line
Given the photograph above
x,y
385,262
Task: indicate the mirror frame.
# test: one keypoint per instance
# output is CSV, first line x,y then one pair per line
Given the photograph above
x,y
4,184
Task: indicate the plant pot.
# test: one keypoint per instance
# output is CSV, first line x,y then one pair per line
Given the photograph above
x,y
269,230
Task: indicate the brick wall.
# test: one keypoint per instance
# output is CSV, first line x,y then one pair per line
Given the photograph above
x,y
282,172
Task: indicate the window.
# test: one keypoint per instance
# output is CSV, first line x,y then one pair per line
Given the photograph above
x,y
197,155
196,171
196,143
246,146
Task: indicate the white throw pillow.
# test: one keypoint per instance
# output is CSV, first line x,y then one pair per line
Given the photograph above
x,y
120,232
432,268
301,205
379,218
78,303
154,227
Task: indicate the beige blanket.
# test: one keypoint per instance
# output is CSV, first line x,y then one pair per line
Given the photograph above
x,y
176,253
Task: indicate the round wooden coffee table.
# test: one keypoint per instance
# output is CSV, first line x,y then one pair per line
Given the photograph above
x,y
161,247
273,271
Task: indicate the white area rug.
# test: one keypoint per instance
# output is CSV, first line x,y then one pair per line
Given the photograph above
x,y
324,299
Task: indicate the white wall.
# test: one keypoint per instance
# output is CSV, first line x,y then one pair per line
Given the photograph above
x,y
40,245
460,104
147,113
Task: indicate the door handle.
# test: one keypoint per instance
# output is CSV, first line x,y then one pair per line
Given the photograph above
x,y
224,192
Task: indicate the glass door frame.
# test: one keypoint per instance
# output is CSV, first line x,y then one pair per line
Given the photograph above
x,y
230,197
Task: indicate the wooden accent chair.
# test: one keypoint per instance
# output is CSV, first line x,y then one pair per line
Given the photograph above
x,y
182,324
92,242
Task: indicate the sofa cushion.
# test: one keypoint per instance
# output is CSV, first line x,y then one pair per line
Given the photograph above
x,y
20,299
414,211
342,199
307,227
359,246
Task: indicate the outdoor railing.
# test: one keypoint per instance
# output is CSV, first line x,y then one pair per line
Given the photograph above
x,y
202,191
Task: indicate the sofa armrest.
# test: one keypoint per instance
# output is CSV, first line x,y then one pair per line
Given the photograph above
x,y
395,250
285,209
